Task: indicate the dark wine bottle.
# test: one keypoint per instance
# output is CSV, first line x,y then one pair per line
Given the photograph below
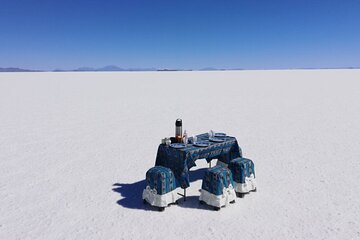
x,y
178,130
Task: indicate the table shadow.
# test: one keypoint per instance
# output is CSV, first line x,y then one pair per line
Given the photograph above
x,y
131,193
193,202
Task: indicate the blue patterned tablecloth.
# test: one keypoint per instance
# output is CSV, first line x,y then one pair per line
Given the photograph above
x,y
181,160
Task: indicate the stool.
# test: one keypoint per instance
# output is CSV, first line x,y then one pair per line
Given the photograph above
x,y
217,187
160,188
243,172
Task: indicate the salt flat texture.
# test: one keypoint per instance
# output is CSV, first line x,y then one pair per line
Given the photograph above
x,y
74,149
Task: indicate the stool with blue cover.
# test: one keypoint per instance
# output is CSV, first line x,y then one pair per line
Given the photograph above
x,y
161,187
243,172
217,187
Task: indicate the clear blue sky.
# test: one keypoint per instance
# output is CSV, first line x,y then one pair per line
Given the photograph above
x,y
249,34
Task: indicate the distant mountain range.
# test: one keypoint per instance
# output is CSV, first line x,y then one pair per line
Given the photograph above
x,y
110,68
12,69
113,68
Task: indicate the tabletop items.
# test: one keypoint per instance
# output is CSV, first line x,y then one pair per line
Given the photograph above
x,y
201,144
182,137
220,135
177,145
215,139
166,141
193,139
178,154
178,130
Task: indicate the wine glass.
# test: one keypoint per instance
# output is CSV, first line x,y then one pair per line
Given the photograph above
x,y
211,133
185,138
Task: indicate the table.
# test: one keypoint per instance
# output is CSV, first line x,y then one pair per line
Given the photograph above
x,y
181,160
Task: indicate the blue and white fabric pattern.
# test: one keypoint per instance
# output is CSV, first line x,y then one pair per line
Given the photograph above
x,y
217,187
161,187
243,172
181,160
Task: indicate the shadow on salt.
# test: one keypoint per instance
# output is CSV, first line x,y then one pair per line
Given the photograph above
x,y
131,194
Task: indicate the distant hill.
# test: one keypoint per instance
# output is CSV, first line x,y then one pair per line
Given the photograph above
x,y
218,69
12,69
109,68
167,70
85,69
208,69
114,68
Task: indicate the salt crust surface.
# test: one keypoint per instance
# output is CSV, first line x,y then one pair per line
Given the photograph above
x,y
74,149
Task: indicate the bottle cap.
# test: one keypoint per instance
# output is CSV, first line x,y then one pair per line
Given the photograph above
x,y
178,122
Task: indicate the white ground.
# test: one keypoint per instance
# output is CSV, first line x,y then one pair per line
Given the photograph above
x,y
74,149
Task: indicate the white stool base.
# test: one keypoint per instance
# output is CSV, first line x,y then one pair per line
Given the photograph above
x,y
249,185
157,200
228,196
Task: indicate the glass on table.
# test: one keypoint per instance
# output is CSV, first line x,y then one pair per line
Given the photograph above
x,y
185,138
211,133
167,141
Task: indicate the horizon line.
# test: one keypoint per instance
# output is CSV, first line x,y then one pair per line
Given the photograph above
x,y
118,69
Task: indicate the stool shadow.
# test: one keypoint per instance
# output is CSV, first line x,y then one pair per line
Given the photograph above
x,y
131,193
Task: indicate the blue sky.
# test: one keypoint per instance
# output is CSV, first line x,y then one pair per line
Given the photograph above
x,y
249,34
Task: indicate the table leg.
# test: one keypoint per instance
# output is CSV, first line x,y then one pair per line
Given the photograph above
x,y
184,194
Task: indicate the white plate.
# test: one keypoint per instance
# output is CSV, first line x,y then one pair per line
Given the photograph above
x,y
215,139
177,145
220,134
